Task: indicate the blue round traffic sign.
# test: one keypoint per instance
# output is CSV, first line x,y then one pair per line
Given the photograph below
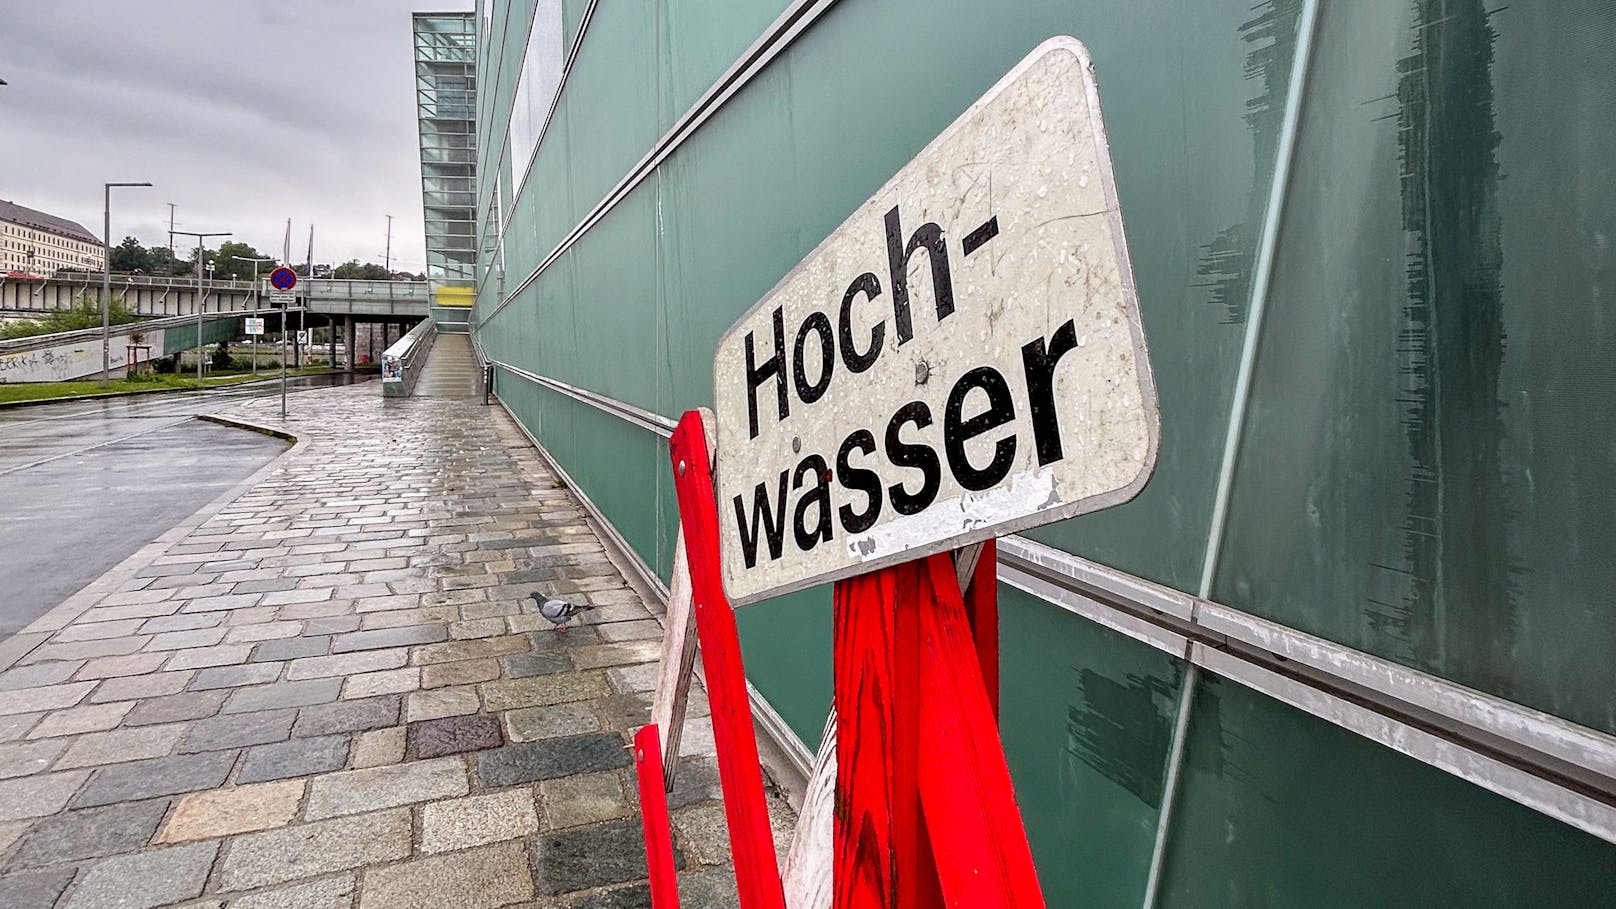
x,y
283,278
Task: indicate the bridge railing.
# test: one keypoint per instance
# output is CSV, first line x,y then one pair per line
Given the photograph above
x,y
57,339
401,363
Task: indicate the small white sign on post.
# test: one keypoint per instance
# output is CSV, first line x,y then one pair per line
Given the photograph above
x,y
303,337
962,358
255,325
283,298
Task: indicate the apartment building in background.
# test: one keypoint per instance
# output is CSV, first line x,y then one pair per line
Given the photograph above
x,y
40,243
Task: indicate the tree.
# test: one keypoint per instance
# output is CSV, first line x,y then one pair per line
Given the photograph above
x,y
130,256
352,270
226,266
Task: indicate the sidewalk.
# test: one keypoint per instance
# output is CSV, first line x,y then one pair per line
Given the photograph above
x,y
331,693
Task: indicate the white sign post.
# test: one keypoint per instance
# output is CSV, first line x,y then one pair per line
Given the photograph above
x,y
254,326
962,358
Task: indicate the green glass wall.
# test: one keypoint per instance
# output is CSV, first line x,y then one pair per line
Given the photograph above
x,y
1418,468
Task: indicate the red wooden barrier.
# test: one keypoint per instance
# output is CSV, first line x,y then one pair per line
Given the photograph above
x,y
654,815
757,873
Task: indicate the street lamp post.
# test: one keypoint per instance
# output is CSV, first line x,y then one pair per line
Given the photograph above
x,y
200,236
106,278
256,301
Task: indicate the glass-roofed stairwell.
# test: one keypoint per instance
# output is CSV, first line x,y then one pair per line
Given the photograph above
x,y
446,100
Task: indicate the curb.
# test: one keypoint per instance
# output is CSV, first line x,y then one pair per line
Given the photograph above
x,y
8,405
41,629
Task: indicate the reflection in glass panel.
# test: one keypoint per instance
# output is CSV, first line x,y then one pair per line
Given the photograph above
x,y
1277,807
1426,469
540,76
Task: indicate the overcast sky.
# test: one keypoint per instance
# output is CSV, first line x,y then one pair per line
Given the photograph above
x,y
242,114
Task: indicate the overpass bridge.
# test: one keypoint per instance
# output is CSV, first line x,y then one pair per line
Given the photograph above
x,y
150,296
175,303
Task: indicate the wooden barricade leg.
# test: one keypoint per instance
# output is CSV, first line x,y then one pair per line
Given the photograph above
x,y
757,873
654,815
982,853
881,858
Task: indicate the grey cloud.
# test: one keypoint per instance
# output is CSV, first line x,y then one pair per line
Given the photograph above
x,y
243,114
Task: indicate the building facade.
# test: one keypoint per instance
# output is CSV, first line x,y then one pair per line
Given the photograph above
x,y
1352,645
445,102
35,242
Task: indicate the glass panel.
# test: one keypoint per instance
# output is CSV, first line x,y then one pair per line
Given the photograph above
x,y
1087,719
1280,808
612,90
701,40
1425,473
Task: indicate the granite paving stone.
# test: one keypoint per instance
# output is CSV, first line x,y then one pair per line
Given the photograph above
x,y
121,745
453,735
387,681
508,694
156,777
283,694
388,637
39,675
96,631
482,878
144,686
86,650
27,758
37,796
463,672
354,791
292,648
583,857
263,631
240,809
343,664
238,730
550,758
297,757
702,833
175,708
34,888
114,666
533,723
204,657
450,651
82,719
476,820
186,640
325,893
182,622
526,665
584,798
90,833
156,877
17,725
379,747
348,716
331,624
442,702
236,676
620,654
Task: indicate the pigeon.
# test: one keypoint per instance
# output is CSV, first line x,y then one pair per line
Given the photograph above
x,y
559,612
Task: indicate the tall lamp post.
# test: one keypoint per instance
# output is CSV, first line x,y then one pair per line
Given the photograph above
x,y
256,299
200,236
106,278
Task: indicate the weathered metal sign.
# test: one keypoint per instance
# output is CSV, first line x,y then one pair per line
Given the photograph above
x,y
960,359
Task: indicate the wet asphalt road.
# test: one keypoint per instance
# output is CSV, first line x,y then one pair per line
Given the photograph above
x,y
85,484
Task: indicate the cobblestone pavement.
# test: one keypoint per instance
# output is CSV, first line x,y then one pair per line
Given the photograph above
x,y
331,693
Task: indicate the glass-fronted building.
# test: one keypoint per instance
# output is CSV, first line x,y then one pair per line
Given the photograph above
x,y
445,104
1355,642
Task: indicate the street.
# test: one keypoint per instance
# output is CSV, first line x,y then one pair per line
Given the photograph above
x,y
86,483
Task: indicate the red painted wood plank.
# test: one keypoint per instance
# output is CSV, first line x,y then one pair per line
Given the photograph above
x,y
654,815
976,831
757,872
880,852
